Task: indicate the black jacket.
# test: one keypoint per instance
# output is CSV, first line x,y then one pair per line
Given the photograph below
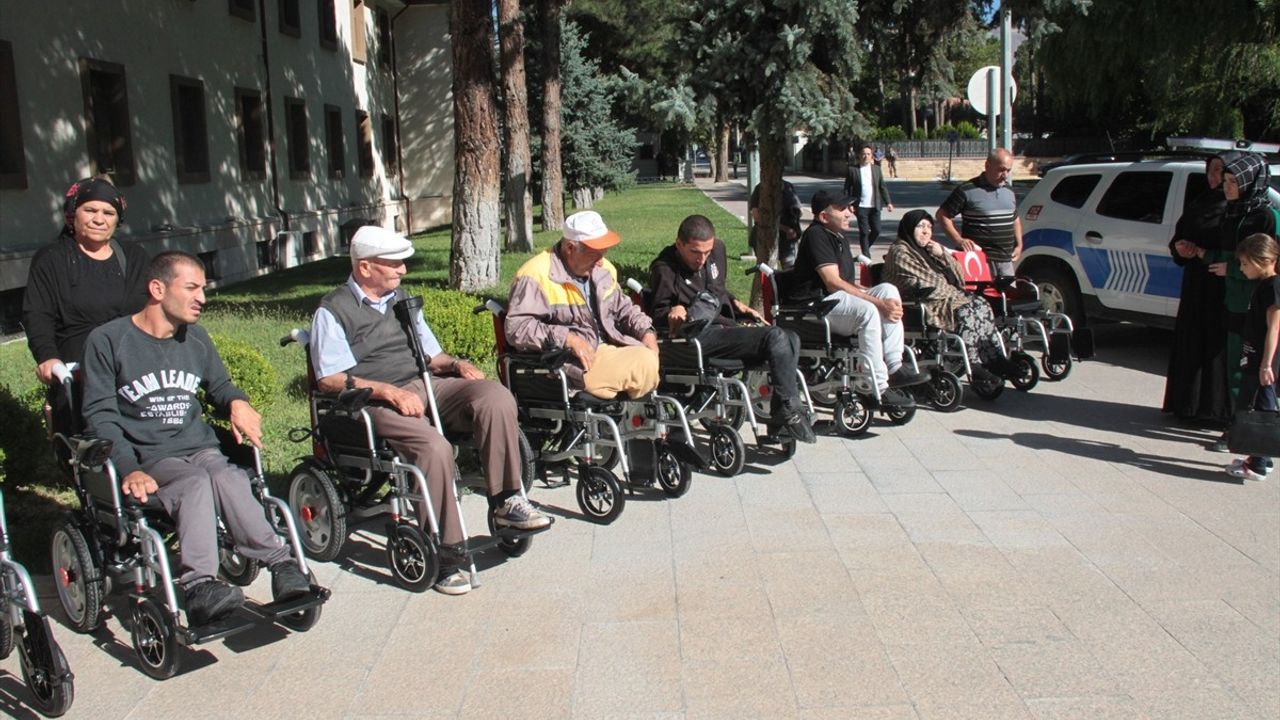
x,y
673,283
853,186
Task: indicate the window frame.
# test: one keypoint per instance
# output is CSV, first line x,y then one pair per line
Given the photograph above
x,y
1053,194
244,9
123,171
286,28
243,141
13,177
327,23
297,148
181,132
1102,208
334,137
364,144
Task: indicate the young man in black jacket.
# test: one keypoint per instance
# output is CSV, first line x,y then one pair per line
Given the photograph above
x,y
696,264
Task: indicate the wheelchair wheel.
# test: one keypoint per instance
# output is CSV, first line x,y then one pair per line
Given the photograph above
x,y
852,416
945,391
728,453
528,470
900,416
674,477
236,568
412,557
600,495
322,516
510,547
6,633
1055,370
155,639
44,667
303,620
1027,372
988,387
76,579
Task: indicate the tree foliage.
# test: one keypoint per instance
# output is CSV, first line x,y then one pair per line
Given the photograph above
x,y
597,148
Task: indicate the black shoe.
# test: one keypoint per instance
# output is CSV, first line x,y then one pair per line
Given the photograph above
x,y
287,581
795,424
903,377
895,398
1003,367
211,600
981,374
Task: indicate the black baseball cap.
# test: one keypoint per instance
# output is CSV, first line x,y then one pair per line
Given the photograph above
x,y
823,200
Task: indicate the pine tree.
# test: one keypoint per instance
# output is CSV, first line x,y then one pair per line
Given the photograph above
x,y
597,151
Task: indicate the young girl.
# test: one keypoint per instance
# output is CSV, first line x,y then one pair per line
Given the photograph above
x,y
1257,254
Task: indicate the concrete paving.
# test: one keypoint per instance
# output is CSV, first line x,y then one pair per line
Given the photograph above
x,y
1062,553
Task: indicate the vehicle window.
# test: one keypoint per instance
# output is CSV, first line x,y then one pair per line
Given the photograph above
x,y
1074,190
1137,195
1197,185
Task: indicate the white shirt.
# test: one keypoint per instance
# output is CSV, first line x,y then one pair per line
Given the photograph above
x,y
864,200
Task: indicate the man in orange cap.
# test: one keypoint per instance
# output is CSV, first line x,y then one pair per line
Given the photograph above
x,y
568,297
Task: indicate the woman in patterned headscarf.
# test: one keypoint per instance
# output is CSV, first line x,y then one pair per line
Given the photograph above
x,y
1244,184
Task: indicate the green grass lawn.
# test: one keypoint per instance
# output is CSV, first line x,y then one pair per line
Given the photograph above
x,y
262,310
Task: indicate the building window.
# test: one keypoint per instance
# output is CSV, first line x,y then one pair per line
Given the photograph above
x,y
310,246
290,18
251,134
364,141
13,161
359,38
190,138
210,261
266,254
106,109
295,123
390,154
328,24
384,38
243,9
334,142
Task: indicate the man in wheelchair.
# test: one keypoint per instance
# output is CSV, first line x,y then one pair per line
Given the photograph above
x,y
688,280
142,375
357,342
569,297
825,268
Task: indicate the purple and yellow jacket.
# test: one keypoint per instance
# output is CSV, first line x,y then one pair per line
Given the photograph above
x,y
545,304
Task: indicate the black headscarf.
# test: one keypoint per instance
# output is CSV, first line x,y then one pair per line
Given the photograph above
x,y
88,190
907,226
1252,176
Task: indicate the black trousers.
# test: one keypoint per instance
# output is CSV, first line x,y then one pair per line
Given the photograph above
x,y
759,344
868,228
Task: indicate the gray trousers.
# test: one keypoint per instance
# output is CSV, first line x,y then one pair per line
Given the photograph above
x,y
195,491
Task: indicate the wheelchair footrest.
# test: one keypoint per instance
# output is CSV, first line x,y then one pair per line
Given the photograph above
x,y
274,610
237,622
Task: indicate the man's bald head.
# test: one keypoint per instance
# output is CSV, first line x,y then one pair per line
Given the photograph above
x,y
999,165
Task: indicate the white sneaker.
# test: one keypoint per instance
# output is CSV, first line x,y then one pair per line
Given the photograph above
x,y
1245,472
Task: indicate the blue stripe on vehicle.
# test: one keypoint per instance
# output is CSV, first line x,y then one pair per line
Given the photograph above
x,y
1166,277
1049,237
1096,264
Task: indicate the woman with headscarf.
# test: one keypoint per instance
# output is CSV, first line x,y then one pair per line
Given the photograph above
x,y
915,260
1244,185
1196,385
82,280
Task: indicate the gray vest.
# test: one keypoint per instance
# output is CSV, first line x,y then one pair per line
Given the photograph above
x,y
377,341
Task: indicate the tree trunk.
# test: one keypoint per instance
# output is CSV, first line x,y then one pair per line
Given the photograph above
x,y
473,257
597,193
515,115
722,153
552,175
582,198
772,149
907,97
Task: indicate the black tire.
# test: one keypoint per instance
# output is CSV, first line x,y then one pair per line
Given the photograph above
x,y
1059,292
1027,372
1055,371
607,458
44,667
513,547
987,387
734,416
76,578
945,391
155,639
528,469
600,495
236,568
412,557
6,633
900,415
789,448
852,416
674,477
303,620
728,452
321,514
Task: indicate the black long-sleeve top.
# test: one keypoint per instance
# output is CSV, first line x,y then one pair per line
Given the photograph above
x,y
674,283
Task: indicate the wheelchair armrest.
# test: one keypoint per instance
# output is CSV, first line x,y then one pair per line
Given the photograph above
x,y
91,452
354,400
691,329
549,360
816,309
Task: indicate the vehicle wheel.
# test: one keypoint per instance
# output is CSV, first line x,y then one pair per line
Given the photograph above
x,y
674,477
44,667
1055,370
236,568
155,639
322,516
900,415
1027,372
1059,292
600,495
513,547
946,391
412,557
76,579
852,416
303,620
728,453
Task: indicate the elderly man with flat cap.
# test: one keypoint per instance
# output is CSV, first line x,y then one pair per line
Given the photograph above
x,y
569,297
357,342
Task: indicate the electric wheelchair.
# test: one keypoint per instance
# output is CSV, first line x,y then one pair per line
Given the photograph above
x,y
111,541
22,624
648,439
836,369
352,476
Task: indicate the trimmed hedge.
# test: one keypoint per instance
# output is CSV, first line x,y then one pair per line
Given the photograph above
x,y
461,332
249,370
24,442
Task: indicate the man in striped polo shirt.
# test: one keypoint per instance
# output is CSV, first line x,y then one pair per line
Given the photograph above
x,y
990,215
